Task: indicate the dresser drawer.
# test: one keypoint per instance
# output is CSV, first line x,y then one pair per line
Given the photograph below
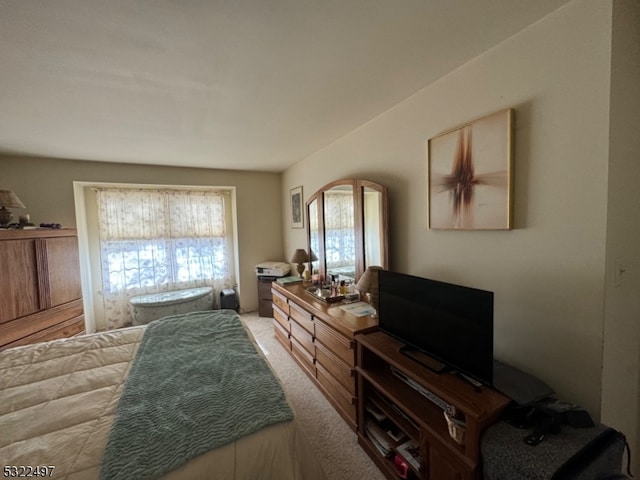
x,y
303,356
303,337
265,307
344,400
44,325
336,368
336,343
280,301
304,318
281,334
281,318
68,328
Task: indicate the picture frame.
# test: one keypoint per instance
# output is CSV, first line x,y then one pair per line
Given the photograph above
x,y
470,175
297,210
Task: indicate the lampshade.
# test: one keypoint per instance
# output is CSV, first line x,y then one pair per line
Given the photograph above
x,y
8,199
312,256
300,256
368,282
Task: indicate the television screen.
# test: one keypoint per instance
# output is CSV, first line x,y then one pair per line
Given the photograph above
x,y
451,323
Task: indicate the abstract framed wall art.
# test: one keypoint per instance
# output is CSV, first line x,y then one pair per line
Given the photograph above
x,y
470,175
297,217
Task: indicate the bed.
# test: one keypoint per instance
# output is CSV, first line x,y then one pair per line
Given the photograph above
x,y
184,397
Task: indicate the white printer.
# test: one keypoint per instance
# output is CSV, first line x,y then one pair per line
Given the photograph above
x,y
272,269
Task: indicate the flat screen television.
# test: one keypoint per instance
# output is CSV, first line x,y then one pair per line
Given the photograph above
x,y
450,323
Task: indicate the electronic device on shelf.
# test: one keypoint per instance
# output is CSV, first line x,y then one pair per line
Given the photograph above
x,y
272,269
438,321
425,392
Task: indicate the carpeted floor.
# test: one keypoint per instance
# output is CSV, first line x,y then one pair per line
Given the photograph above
x,y
334,441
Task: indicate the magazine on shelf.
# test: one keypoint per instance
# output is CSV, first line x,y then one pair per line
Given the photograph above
x,y
377,437
396,434
410,451
385,452
374,412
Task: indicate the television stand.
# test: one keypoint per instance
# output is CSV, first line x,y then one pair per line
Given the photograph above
x,y
432,431
476,384
423,359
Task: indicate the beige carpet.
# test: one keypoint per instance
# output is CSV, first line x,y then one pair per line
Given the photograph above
x,y
334,441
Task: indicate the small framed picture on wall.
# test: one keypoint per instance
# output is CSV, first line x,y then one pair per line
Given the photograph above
x,y
297,217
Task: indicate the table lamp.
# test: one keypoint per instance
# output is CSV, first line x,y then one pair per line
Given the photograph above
x,y
8,199
300,257
368,284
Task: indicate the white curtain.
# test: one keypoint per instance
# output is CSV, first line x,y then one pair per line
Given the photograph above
x,y
372,228
340,240
154,241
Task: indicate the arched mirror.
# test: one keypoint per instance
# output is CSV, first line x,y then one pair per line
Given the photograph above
x,y
314,235
339,231
347,228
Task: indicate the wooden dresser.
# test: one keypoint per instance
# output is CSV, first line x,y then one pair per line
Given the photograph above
x,y
320,337
40,289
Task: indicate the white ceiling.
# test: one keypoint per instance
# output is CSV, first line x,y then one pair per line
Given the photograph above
x,y
233,84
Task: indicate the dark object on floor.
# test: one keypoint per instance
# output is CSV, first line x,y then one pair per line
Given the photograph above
x,y
574,453
548,424
522,416
588,456
229,300
578,418
615,476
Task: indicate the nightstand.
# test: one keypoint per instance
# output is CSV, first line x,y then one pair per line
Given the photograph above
x,y
265,298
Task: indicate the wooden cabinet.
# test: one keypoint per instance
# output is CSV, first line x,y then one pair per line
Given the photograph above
x,y
388,403
264,296
320,337
40,290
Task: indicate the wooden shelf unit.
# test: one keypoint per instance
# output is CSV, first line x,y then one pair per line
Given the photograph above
x,y
40,290
420,419
320,337
264,296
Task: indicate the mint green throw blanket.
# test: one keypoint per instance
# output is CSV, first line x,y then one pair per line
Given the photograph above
x,y
196,384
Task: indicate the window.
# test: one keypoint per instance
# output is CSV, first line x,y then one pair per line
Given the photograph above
x,y
340,241
158,240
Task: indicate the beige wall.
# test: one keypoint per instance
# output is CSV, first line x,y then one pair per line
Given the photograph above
x,y
45,186
621,367
548,273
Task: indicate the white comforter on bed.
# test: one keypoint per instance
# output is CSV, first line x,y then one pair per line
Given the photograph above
x,y
57,401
